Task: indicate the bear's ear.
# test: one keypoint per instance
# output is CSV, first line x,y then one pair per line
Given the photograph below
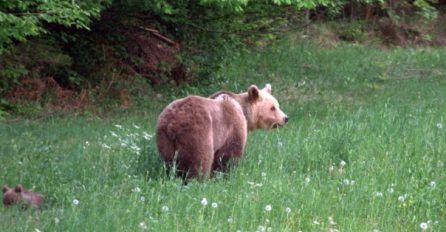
x,y
18,188
6,189
267,88
254,93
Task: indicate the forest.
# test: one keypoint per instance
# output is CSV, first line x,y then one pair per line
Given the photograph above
x,y
60,55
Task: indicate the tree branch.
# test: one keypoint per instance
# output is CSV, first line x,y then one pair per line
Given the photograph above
x,y
157,35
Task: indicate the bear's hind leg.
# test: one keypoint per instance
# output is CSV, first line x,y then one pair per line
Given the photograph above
x,y
196,161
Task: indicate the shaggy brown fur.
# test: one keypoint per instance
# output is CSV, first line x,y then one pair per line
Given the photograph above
x,y
206,133
22,197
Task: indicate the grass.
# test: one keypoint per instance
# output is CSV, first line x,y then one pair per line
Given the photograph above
x,y
367,129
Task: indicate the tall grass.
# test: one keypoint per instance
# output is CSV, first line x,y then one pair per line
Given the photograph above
x,y
364,151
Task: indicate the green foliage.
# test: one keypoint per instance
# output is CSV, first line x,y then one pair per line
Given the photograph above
x,y
3,106
21,19
11,69
38,55
26,48
352,32
210,32
426,10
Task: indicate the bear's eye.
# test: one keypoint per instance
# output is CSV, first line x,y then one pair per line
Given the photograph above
x,y
273,108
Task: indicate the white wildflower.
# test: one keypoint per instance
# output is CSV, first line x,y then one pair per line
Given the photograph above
x,y
268,208
330,219
261,228
136,148
146,136
432,184
137,190
143,225
143,198
352,182
214,205
263,174
76,202
439,125
342,163
269,229
423,226
288,210
346,182
378,194
307,179
230,219
124,144
204,201
390,190
164,208
56,220
401,198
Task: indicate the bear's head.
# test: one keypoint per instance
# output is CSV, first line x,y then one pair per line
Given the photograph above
x,y
11,196
265,109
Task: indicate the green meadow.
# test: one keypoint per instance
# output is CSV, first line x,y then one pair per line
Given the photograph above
x,y
364,150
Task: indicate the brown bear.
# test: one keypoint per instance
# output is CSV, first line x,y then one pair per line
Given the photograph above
x,y
202,135
22,197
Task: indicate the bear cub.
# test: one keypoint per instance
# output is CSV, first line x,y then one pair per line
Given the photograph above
x,y
20,196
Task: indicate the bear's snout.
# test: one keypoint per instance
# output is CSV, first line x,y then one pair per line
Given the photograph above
x,y
286,119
